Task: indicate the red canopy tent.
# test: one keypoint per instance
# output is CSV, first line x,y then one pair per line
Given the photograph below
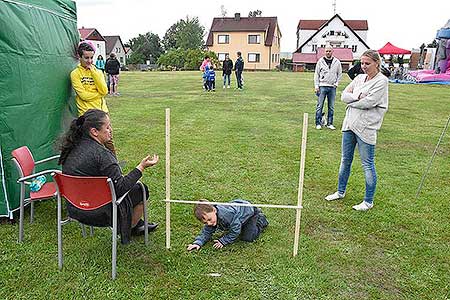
x,y
391,49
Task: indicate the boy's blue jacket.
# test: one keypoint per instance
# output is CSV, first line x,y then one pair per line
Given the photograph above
x,y
211,75
229,218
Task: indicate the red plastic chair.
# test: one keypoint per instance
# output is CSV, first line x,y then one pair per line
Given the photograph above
x,y
89,193
24,162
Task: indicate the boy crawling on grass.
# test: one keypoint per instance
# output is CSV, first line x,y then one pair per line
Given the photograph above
x,y
243,222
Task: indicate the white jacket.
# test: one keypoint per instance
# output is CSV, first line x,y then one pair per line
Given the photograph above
x,y
364,116
327,76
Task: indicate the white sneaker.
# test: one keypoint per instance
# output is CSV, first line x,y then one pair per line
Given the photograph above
x,y
334,196
331,127
223,86
363,206
228,87
318,127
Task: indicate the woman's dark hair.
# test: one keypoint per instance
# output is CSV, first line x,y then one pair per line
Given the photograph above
x,y
79,128
84,47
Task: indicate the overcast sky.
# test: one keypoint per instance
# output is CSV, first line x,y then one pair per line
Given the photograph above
x,y
404,23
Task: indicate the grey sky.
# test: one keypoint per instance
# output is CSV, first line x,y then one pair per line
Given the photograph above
x,y
406,24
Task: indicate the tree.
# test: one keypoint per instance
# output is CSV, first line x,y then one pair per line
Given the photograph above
x,y
181,59
145,47
185,34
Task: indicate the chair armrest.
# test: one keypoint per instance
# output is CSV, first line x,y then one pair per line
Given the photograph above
x,y
118,201
37,174
47,159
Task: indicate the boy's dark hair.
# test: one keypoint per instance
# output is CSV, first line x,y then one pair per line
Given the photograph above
x,y
201,209
239,53
83,46
206,56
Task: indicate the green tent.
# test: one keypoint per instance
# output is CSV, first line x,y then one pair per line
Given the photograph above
x,y
38,40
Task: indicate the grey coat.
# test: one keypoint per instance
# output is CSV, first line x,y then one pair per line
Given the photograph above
x,y
364,116
327,76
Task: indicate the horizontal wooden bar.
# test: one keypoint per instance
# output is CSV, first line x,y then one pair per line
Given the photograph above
x,y
233,204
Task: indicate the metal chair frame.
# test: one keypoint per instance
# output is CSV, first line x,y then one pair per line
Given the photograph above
x,y
23,180
115,202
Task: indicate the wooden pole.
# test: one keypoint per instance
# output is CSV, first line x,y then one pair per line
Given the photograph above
x,y
168,178
300,183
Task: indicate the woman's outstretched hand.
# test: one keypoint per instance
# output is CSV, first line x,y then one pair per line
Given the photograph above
x,y
148,161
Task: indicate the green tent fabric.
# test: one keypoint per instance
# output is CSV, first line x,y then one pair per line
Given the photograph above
x,y
38,40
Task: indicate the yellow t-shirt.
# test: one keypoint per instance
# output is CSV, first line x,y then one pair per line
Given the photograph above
x,y
90,87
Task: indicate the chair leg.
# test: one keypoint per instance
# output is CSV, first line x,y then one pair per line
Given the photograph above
x,y
114,241
145,214
31,212
83,230
60,253
22,211
91,230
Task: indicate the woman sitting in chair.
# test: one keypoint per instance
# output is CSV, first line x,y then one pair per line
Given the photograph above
x,y
83,153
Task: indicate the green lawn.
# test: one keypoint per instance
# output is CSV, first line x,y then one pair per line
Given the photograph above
x,y
246,144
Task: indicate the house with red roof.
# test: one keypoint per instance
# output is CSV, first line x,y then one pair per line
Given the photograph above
x,y
347,37
92,35
257,38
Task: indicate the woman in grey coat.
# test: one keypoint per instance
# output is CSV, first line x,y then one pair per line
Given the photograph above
x,y
367,102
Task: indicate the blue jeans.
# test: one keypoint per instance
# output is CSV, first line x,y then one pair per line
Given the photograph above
x,y
225,78
367,154
330,93
239,79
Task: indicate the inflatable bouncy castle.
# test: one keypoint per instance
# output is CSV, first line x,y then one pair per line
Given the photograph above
x,y
441,72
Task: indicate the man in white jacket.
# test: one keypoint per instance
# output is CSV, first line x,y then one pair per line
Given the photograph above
x,y
326,79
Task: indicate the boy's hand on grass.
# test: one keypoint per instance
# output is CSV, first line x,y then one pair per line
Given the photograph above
x,y
217,244
191,247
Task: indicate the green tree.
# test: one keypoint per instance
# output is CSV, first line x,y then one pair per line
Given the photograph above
x,y
145,47
189,59
184,34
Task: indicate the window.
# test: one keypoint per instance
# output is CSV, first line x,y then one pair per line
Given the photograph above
x,y
254,39
354,48
254,57
121,59
117,50
314,48
331,32
223,39
221,56
345,46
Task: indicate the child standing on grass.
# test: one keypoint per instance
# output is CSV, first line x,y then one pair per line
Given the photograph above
x,y
205,64
211,79
243,222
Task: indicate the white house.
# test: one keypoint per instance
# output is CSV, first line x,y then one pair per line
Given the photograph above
x,y
92,35
337,32
114,44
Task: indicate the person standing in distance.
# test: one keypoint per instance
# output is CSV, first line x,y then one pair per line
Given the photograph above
x,y
239,67
326,79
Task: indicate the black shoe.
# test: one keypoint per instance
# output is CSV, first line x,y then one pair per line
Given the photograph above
x,y
139,229
262,221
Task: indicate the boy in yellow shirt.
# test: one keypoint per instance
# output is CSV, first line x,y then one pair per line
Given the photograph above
x,y
89,84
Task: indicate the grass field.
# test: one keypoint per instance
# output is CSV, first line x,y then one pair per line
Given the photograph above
x,y
246,144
